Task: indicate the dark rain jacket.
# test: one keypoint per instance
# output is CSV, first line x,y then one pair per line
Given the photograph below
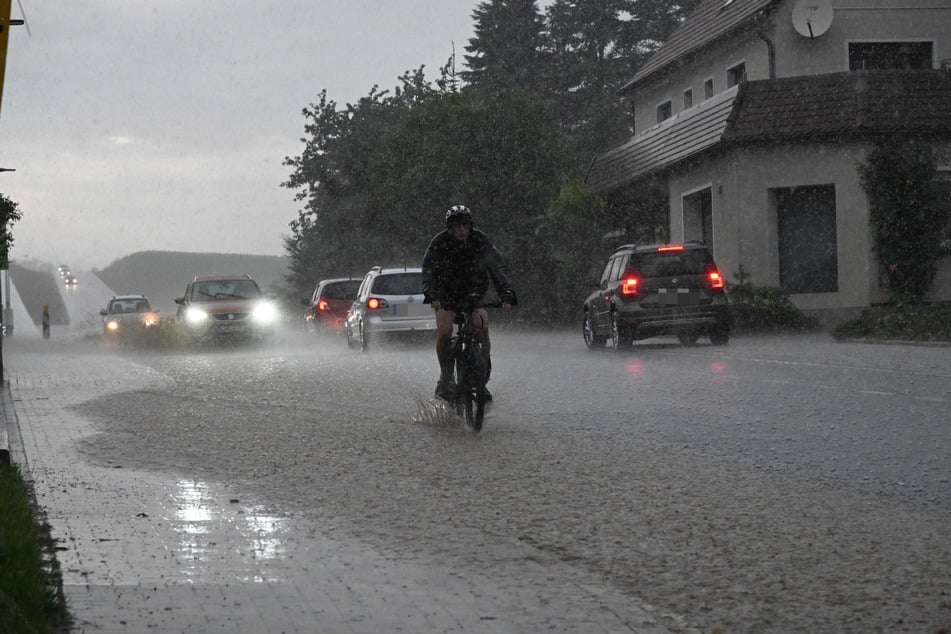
x,y
453,269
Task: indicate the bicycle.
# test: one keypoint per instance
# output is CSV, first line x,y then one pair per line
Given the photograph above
x,y
470,368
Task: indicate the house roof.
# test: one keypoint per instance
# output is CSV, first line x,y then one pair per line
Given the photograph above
x,y
685,135
842,104
792,109
711,20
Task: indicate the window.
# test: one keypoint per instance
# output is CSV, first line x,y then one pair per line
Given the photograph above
x,y
399,284
708,88
688,99
664,111
890,55
805,221
735,75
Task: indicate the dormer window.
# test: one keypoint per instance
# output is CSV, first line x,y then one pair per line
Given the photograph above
x,y
688,99
735,74
664,111
708,88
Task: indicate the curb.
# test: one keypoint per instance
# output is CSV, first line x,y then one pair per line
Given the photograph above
x,y
8,415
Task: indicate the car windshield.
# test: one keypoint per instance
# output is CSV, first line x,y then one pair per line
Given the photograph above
x,y
341,290
225,290
398,284
687,262
123,306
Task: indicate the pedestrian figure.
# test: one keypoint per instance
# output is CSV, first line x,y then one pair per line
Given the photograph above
x,y
46,321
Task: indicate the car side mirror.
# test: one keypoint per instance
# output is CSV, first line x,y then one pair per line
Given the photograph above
x,y
180,301
103,312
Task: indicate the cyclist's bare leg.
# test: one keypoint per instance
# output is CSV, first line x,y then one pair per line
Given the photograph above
x,y
444,323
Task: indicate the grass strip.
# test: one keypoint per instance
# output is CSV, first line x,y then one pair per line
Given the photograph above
x,y
30,596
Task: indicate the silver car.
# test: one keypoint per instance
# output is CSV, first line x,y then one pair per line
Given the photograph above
x,y
128,315
388,301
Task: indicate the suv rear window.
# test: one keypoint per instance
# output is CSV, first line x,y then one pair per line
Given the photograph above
x,y
667,264
398,284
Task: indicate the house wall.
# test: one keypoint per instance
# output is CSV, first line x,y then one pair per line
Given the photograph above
x,y
714,64
745,224
868,20
795,55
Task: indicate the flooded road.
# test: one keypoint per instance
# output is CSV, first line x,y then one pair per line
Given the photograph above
x,y
775,484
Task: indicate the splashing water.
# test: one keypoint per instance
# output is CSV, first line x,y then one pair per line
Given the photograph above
x,y
436,411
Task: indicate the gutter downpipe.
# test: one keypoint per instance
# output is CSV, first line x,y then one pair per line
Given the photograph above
x,y
770,46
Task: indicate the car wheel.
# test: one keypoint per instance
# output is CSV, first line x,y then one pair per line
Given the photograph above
x,y
593,341
615,332
688,338
720,336
364,336
350,339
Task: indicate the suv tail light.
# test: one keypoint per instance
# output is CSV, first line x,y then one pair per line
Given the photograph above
x,y
375,303
629,286
716,282
323,306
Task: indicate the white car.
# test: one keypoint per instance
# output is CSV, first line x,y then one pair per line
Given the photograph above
x,y
388,301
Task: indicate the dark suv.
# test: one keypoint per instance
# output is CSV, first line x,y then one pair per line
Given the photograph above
x,y
658,289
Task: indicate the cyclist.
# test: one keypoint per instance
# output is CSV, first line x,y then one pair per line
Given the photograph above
x,y
460,262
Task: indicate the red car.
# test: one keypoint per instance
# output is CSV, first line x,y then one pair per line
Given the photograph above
x,y
330,302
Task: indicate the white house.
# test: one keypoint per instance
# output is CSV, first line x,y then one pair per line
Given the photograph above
x,y
755,115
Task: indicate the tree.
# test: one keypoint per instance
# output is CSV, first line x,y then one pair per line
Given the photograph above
x,y
332,233
9,214
502,158
594,48
904,209
506,51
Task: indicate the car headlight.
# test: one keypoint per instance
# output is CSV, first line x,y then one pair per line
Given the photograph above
x,y
150,320
264,313
195,316
112,325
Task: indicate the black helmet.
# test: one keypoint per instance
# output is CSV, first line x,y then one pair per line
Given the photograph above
x,y
458,215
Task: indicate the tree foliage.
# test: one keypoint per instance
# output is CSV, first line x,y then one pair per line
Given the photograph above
x,y
904,209
507,49
9,214
538,100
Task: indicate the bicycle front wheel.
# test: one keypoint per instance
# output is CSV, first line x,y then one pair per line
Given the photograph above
x,y
473,396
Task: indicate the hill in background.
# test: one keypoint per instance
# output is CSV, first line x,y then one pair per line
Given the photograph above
x,y
163,275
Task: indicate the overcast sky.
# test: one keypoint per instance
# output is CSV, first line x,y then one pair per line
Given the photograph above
x,y
143,125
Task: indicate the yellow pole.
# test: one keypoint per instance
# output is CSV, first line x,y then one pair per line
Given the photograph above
x,y
4,38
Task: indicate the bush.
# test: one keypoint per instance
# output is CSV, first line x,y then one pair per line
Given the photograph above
x,y
766,308
899,322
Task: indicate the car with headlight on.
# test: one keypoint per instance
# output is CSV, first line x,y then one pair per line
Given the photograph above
x,y
389,302
128,316
225,307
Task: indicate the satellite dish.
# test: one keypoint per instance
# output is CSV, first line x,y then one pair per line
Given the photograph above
x,y
812,18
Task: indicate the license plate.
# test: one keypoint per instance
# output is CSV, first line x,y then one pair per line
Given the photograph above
x,y
411,310
678,296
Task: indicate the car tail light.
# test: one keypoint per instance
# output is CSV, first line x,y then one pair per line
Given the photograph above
x,y
629,286
375,303
670,247
323,306
716,282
